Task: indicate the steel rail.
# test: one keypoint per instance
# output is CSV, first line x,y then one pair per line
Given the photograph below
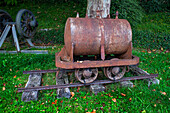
x,y
80,84
47,71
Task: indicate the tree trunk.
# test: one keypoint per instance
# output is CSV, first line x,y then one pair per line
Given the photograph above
x,y
92,7
101,5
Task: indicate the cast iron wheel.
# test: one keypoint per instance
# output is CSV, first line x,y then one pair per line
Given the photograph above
x,y
114,73
26,23
4,17
86,75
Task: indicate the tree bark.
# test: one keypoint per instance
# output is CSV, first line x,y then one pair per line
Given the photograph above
x,y
101,5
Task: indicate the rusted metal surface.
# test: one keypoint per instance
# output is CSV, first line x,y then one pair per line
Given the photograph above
x,y
80,84
91,64
86,35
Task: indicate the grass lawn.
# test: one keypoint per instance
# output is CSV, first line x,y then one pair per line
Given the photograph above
x,y
137,99
141,98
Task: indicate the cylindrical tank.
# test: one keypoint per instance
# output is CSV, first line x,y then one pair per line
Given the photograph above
x,y
86,35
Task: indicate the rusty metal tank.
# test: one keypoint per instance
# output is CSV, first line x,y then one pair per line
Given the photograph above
x,y
87,34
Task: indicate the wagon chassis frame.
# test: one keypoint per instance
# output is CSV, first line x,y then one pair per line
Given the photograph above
x,y
92,64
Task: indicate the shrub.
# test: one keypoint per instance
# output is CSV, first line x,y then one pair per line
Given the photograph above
x,y
128,9
154,5
54,36
150,40
9,2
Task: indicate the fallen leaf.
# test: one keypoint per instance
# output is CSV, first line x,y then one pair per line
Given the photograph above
x,y
164,93
10,69
42,103
72,94
84,97
153,90
113,91
110,95
149,51
154,105
94,111
4,84
130,99
61,101
114,100
162,49
15,76
53,102
3,88
15,85
78,89
123,94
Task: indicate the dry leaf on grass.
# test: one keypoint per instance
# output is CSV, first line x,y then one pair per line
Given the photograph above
x,y
123,94
114,100
72,94
164,93
84,97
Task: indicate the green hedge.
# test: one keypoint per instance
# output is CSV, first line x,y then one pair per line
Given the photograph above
x,y
54,36
128,9
141,38
151,40
155,5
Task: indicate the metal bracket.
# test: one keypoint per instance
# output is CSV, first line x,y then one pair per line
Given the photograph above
x,y
102,43
29,42
5,33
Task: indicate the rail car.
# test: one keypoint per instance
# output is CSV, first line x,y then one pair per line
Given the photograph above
x,y
93,43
